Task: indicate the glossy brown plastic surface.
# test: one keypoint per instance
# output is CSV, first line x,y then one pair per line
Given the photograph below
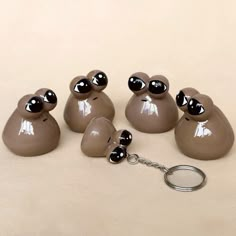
x,y
87,101
31,130
204,132
151,109
101,139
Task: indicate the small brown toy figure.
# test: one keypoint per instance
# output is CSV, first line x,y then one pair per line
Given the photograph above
x,y
101,139
87,101
203,132
151,109
31,130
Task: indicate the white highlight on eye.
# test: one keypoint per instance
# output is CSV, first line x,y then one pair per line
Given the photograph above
x,y
149,108
111,161
130,136
201,131
131,79
33,101
76,86
143,85
100,76
191,102
84,107
121,154
27,108
76,89
202,110
95,81
185,101
45,99
153,83
26,128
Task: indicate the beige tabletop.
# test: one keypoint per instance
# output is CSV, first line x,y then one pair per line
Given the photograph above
x,y
65,193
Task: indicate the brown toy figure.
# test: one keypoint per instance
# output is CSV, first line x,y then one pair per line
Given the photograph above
x,y
151,109
87,101
31,130
203,132
101,139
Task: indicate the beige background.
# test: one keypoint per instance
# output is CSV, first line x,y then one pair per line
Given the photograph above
x,y
46,44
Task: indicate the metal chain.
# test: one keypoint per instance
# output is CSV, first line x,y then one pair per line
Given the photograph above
x,y
135,159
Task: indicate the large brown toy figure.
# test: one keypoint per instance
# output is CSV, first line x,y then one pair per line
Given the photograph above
x,y
87,101
203,132
151,109
31,130
101,139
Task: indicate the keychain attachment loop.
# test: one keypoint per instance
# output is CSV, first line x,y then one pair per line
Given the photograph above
x,y
134,159
184,178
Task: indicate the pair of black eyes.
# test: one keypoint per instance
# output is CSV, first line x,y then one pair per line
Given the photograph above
x,y
119,153
155,86
35,104
84,85
194,106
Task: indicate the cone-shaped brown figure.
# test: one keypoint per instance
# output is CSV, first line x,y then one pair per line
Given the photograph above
x,y
151,109
204,132
101,139
31,130
87,101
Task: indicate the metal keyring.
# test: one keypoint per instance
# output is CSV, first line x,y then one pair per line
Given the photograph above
x,y
134,159
185,188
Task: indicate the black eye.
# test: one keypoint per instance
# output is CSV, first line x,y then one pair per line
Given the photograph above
x,y
125,138
50,97
157,87
136,84
181,99
100,79
83,86
117,155
195,107
34,105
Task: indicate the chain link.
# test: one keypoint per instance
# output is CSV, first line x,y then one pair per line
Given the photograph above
x,y
135,159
